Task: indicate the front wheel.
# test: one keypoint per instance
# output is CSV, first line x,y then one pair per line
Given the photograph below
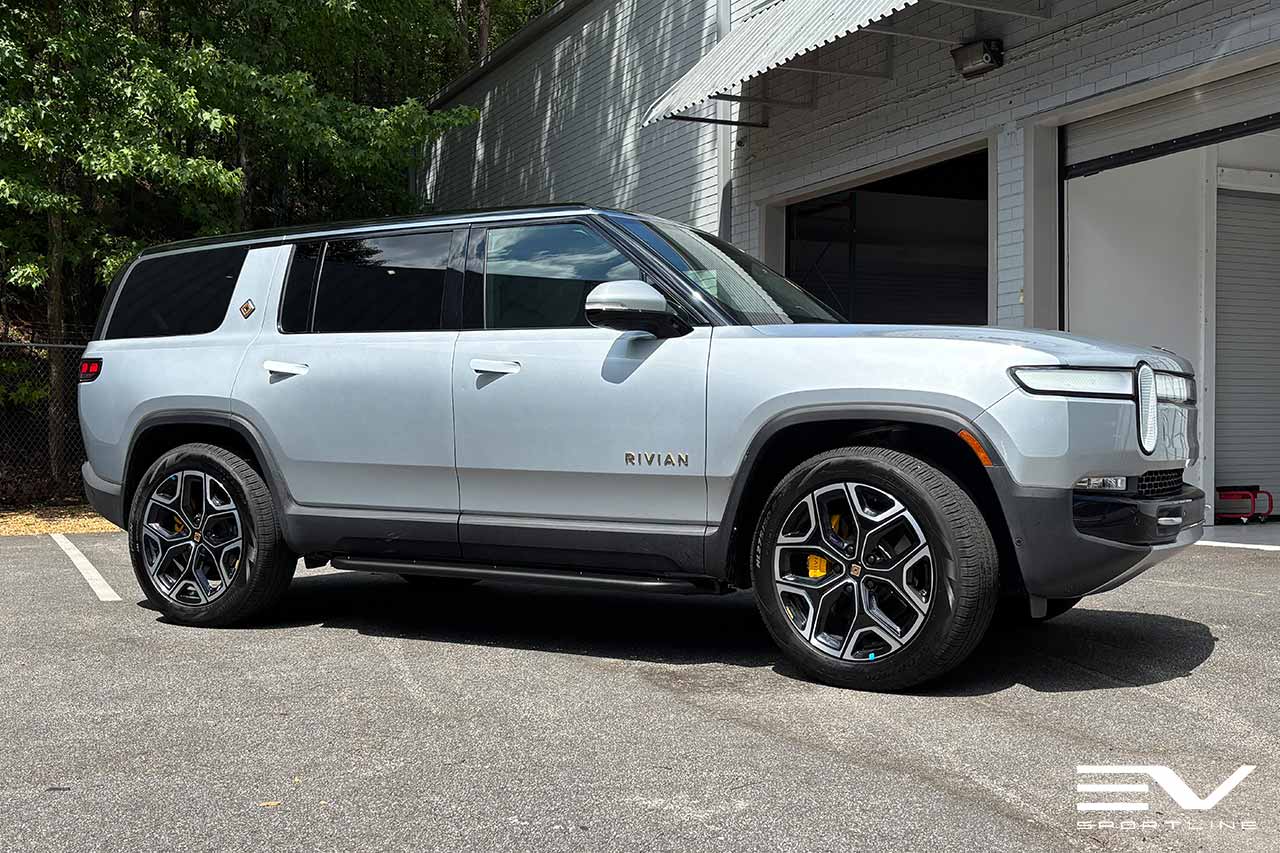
x,y
873,570
203,538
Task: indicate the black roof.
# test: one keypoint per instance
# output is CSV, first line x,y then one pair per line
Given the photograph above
x,y
270,235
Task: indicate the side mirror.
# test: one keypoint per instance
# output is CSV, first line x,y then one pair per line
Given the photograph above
x,y
633,306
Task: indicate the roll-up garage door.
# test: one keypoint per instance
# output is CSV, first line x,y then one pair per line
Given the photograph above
x,y
1247,420
1247,102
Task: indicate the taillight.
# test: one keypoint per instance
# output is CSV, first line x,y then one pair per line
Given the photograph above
x,y
90,369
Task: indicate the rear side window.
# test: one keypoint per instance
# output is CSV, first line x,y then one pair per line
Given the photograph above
x,y
538,276
383,284
182,294
390,284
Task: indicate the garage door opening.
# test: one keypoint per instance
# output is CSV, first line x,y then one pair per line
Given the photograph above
x,y
911,248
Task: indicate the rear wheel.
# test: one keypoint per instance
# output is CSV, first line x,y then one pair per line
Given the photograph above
x,y
873,569
203,538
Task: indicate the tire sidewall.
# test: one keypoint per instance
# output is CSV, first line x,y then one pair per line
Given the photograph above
x,y
905,665
247,579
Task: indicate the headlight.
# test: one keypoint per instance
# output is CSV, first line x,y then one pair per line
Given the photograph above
x,y
1175,388
1093,382
1074,381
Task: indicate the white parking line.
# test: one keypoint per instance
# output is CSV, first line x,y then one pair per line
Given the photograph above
x,y
1213,544
96,582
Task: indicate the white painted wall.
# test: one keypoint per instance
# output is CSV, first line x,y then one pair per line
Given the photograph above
x,y
561,121
1135,239
1259,153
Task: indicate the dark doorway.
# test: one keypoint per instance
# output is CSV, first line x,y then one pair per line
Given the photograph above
x,y
907,249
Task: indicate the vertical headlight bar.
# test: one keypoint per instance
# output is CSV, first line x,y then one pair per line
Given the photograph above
x,y
1148,410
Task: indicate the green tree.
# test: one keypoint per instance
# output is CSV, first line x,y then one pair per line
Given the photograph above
x,y
129,122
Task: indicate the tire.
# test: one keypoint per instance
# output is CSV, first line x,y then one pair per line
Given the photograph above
x,y
958,555
184,547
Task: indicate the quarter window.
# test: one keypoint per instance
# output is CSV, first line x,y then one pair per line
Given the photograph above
x,y
538,277
181,294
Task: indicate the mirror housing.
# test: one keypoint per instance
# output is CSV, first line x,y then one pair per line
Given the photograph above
x,y
633,306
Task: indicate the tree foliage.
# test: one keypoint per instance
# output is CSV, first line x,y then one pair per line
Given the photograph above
x,y
130,122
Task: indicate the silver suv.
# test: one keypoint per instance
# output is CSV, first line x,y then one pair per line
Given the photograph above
x,y
601,399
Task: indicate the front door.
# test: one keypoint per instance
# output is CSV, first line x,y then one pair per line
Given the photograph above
x,y
575,445
351,388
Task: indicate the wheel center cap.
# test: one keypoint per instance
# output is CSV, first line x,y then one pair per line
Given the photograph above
x,y
855,569
196,535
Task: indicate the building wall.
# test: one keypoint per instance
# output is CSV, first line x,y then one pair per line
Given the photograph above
x,y
1088,48
1135,246
560,121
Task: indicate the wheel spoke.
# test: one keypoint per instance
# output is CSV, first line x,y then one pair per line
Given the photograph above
x,y
853,571
193,539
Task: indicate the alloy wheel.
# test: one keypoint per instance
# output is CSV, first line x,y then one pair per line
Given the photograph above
x,y
853,572
194,539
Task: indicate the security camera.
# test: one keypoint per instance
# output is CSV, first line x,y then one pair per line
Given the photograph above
x,y
978,57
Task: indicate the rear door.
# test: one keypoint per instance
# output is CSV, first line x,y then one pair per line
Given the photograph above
x,y
575,445
350,386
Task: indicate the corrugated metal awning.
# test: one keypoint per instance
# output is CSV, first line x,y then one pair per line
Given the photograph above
x,y
773,36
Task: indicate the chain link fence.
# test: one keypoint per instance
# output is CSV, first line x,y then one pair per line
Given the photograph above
x,y
40,446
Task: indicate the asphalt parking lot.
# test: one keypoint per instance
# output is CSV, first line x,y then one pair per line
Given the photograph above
x,y
369,715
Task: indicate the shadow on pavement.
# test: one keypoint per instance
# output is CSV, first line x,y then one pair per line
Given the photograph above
x,y
656,628
1082,650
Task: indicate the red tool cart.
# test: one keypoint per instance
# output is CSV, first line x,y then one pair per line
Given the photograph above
x,y
1244,493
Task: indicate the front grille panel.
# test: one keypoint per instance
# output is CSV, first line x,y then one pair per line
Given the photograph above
x,y
1160,484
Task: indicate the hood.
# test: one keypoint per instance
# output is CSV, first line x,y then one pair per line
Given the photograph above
x,y
1037,346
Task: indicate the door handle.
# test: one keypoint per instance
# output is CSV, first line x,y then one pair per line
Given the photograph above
x,y
288,368
485,365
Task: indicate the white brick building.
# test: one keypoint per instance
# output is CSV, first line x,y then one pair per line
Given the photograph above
x,y
1129,182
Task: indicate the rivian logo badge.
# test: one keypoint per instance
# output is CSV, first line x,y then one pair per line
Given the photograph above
x,y
855,569
195,535
657,460
246,309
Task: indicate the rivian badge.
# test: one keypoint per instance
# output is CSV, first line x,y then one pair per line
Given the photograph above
x,y
246,309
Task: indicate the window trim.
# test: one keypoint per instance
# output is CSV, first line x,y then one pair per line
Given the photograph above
x,y
654,273
450,321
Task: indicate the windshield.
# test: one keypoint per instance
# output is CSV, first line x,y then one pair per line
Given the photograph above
x,y
747,290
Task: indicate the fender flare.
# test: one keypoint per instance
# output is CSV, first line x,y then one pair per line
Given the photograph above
x,y
208,417
719,543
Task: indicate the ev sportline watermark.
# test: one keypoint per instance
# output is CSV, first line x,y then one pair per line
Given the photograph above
x,y
1170,782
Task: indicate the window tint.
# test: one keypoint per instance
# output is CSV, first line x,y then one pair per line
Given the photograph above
x,y
388,284
538,277
182,294
295,308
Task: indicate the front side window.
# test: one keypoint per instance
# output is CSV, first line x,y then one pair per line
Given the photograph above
x,y
538,276
746,289
186,293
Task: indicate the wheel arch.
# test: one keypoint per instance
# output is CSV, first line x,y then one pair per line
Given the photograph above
x,y
790,438
157,434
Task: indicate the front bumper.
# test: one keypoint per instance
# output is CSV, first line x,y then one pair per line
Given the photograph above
x,y
1071,544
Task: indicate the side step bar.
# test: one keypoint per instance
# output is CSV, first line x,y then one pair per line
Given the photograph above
x,y
543,577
